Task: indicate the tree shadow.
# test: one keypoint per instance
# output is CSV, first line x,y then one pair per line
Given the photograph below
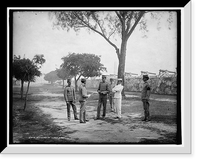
x,y
110,120
169,138
166,119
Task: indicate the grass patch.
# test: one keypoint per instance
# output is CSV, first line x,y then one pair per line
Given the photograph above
x,y
32,126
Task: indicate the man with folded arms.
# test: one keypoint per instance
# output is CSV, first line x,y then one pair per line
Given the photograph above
x,y
118,97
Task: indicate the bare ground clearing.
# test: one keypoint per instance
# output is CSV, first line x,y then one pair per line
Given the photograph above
x,y
130,129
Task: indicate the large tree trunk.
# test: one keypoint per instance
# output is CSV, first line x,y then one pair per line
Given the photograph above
x,y
22,89
26,95
76,87
76,82
121,66
63,83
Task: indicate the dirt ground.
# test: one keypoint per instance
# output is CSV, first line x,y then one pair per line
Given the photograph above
x,y
130,129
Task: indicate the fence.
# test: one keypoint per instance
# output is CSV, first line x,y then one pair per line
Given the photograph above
x,y
159,85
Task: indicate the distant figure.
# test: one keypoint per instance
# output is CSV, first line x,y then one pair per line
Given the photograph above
x,y
70,97
82,99
118,97
111,94
145,94
103,90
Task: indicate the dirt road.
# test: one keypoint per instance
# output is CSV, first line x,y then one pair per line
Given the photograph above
x,y
130,129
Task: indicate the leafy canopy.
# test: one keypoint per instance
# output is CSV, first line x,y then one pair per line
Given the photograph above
x,y
86,65
51,76
63,73
25,69
111,25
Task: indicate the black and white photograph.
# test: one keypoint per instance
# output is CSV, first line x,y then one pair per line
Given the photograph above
x,y
103,77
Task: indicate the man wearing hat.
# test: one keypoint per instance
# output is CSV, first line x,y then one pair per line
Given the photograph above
x,y
145,94
82,99
118,97
103,90
70,97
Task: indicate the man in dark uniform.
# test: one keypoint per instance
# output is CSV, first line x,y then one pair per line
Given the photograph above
x,y
70,97
103,90
145,94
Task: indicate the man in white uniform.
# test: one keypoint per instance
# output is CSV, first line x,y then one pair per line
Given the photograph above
x,y
118,97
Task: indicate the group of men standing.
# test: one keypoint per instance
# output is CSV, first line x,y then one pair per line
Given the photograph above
x,y
70,98
113,92
106,91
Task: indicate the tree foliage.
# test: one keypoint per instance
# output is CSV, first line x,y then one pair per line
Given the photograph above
x,y
23,67
63,74
106,24
85,65
38,60
26,70
51,76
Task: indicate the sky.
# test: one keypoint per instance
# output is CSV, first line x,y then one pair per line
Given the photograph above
x,y
33,33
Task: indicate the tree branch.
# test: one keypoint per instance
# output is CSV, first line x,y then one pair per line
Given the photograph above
x,y
102,34
135,24
122,21
129,22
97,21
78,77
119,16
111,33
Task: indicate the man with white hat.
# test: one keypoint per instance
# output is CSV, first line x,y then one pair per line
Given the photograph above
x,y
118,97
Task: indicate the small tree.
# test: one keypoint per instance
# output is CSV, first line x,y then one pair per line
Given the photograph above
x,y
19,71
31,72
51,77
86,65
26,70
63,74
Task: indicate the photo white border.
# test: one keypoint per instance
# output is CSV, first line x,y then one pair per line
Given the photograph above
x,y
186,108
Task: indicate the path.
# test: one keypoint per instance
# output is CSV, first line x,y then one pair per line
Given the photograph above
x,y
109,130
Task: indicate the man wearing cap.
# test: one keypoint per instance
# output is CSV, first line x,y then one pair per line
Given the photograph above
x,y
103,90
145,94
82,99
118,97
70,97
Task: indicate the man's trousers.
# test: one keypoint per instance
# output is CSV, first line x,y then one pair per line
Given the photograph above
x,y
117,106
102,101
146,109
82,111
111,102
74,110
